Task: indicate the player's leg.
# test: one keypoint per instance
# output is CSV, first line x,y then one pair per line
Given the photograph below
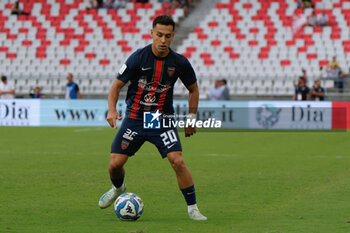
x,y
116,173
168,143
116,169
183,175
126,143
185,182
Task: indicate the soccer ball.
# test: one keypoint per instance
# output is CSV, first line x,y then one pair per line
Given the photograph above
x,y
128,206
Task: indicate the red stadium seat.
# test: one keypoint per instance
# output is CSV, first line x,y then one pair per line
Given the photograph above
x,y
254,30
23,30
202,37
311,56
323,62
228,49
205,56
253,43
213,24
191,49
65,62
11,55
11,36
215,43
26,43
4,49
208,62
285,62
126,49
104,62
247,6
234,56
302,50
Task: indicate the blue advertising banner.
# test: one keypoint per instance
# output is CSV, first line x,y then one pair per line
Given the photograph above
x,y
73,112
19,112
231,114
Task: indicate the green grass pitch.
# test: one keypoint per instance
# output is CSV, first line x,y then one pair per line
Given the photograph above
x,y
247,182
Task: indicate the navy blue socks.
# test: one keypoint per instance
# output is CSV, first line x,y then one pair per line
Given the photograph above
x,y
189,195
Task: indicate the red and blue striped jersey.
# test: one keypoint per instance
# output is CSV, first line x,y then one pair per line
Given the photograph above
x,y
152,81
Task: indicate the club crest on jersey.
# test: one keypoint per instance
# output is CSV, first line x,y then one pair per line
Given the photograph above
x,y
149,98
171,71
125,144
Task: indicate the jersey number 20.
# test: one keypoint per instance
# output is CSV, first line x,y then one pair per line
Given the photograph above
x,y
169,137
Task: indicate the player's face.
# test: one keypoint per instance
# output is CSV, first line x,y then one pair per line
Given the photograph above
x,y
69,78
162,36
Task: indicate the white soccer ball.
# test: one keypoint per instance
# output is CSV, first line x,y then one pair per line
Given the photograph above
x,y
128,206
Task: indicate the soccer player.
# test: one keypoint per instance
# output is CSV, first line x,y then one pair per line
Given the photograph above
x,y
152,72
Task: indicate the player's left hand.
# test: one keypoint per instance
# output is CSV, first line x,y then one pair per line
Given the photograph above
x,y
112,118
189,131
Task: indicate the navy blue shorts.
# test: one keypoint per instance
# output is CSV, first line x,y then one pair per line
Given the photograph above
x,y
131,135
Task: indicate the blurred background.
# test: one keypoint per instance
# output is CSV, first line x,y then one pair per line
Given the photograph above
x,y
257,49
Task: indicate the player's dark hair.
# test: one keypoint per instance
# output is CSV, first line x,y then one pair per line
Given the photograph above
x,y
3,78
164,20
224,81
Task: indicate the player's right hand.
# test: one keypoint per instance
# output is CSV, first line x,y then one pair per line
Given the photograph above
x,y
112,118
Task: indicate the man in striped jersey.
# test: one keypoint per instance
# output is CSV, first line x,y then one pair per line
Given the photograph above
x,y
152,72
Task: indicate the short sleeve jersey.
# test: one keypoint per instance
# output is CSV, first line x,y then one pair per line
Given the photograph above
x,y
6,88
301,92
318,90
152,81
71,91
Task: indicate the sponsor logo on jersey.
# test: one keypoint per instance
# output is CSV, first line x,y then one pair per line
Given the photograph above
x,y
152,86
149,98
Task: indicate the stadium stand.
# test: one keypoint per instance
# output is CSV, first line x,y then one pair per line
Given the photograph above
x,y
63,36
251,44
248,42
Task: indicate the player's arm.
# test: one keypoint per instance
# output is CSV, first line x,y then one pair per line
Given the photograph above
x,y
317,93
193,99
112,102
79,95
77,89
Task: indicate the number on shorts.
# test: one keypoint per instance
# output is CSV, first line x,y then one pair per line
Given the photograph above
x,y
169,137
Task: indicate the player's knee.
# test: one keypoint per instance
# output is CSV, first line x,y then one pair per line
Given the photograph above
x,y
117,161
178,163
